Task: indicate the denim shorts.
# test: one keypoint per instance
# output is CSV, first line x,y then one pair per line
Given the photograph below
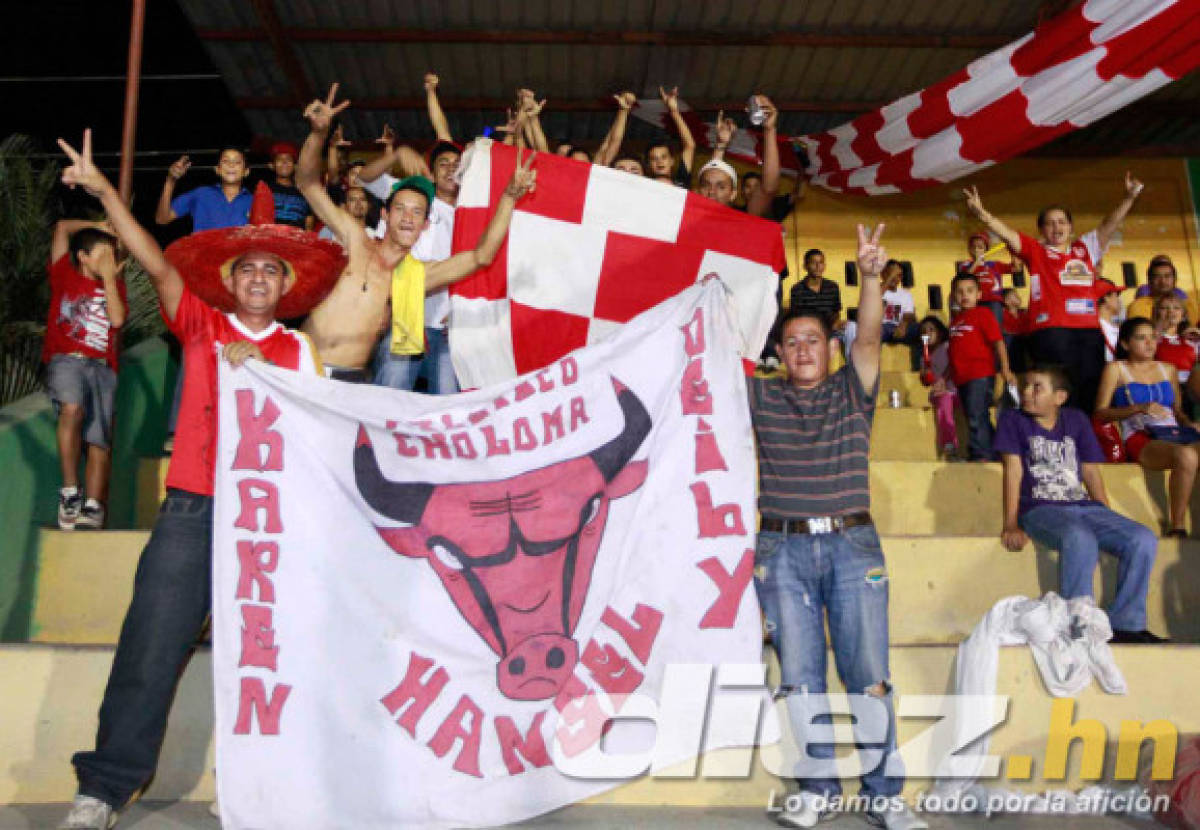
x,y
92,384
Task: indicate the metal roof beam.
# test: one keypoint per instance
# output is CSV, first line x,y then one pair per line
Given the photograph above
x,y
617,38
273,32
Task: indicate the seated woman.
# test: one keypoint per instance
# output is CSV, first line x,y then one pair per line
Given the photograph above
x,y
1176,336
1141,394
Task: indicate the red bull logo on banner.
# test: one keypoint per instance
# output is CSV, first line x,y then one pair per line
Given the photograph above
x,y
515,555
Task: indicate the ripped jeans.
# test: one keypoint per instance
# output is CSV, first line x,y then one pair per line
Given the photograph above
x,y
800,579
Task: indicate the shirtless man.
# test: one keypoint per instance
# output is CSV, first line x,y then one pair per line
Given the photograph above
x,y
347,324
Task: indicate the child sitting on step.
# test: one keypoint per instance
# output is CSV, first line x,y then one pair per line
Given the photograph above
x,y
935,373
1054,494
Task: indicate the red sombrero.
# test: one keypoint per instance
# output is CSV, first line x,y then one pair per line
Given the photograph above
x,y
204,257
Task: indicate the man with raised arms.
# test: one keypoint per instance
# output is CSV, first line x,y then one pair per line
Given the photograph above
x,y
346,326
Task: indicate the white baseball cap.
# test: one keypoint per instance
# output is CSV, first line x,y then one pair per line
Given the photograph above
x,y
718,164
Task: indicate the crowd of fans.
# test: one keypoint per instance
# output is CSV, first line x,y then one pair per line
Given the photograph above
x,y
385,322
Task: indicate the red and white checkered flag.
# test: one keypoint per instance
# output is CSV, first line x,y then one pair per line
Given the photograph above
x,y
1070,72
588,250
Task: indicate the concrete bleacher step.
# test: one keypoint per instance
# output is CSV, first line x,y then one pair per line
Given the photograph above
x,y
940,586
912,493
52,693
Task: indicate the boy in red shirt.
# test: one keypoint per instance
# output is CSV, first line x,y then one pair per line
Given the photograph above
x,y
87,309
976,346
260,272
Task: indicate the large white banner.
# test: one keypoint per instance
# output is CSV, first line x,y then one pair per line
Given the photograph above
x,y
426,608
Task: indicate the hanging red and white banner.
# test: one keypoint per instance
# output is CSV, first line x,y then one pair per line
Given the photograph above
x,y
1073,70
427,609
587,251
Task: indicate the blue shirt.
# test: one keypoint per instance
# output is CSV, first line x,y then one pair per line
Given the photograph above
x,y
291,208
209,208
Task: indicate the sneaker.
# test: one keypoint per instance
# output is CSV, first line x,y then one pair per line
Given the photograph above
x,y
69,504
214,809
902,819
89,813
91,516
803,809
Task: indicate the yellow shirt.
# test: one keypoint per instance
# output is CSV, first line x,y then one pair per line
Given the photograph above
x,y
408,307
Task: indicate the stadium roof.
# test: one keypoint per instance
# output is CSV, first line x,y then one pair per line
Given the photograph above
x,y
822,61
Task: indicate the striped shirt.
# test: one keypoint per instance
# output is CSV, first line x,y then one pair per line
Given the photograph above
x,y
813,445
826,300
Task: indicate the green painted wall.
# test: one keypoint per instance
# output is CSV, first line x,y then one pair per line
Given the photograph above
x,y
30,473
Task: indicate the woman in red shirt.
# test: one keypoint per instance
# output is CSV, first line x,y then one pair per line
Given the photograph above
x,y
1063,323
1176,337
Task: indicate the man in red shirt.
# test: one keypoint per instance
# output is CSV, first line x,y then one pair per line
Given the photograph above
x,y
1063,323
87,310
171,597
976,346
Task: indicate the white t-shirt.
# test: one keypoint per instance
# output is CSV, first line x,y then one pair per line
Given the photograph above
x,y
896,304
433,245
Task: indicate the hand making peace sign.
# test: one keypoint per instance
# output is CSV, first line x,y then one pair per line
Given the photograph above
x,y
83,171
320,114
871,255
524,177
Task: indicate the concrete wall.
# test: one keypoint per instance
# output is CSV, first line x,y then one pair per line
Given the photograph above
x,y
30,471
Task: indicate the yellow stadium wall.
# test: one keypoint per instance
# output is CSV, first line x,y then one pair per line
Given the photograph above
x,y
930,228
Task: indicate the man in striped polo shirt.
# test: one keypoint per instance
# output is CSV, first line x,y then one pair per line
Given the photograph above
x,y
818,553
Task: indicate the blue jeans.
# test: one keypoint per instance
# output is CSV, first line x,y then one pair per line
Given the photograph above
x,y
976,397
172,592
800,579
1079,532
402,371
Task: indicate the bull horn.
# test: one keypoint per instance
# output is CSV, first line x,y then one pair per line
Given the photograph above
x,y
402,501
612,457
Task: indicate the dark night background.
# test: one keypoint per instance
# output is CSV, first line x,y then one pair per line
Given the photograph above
x,y
66,38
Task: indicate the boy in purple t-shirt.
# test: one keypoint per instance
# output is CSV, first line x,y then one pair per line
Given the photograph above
x,y
1054,493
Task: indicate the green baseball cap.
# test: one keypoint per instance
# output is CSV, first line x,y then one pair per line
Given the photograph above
x,y
420,184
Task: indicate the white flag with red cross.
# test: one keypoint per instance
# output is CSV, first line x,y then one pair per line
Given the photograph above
x,y
588,250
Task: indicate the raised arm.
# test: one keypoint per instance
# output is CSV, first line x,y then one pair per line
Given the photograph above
x,y
163,214
440,274
611,145
331,154
1003,231
1108,228
308,175
869,342
436,117
724,128
410,161
137,240
60,243
531,109
687,143
759,204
